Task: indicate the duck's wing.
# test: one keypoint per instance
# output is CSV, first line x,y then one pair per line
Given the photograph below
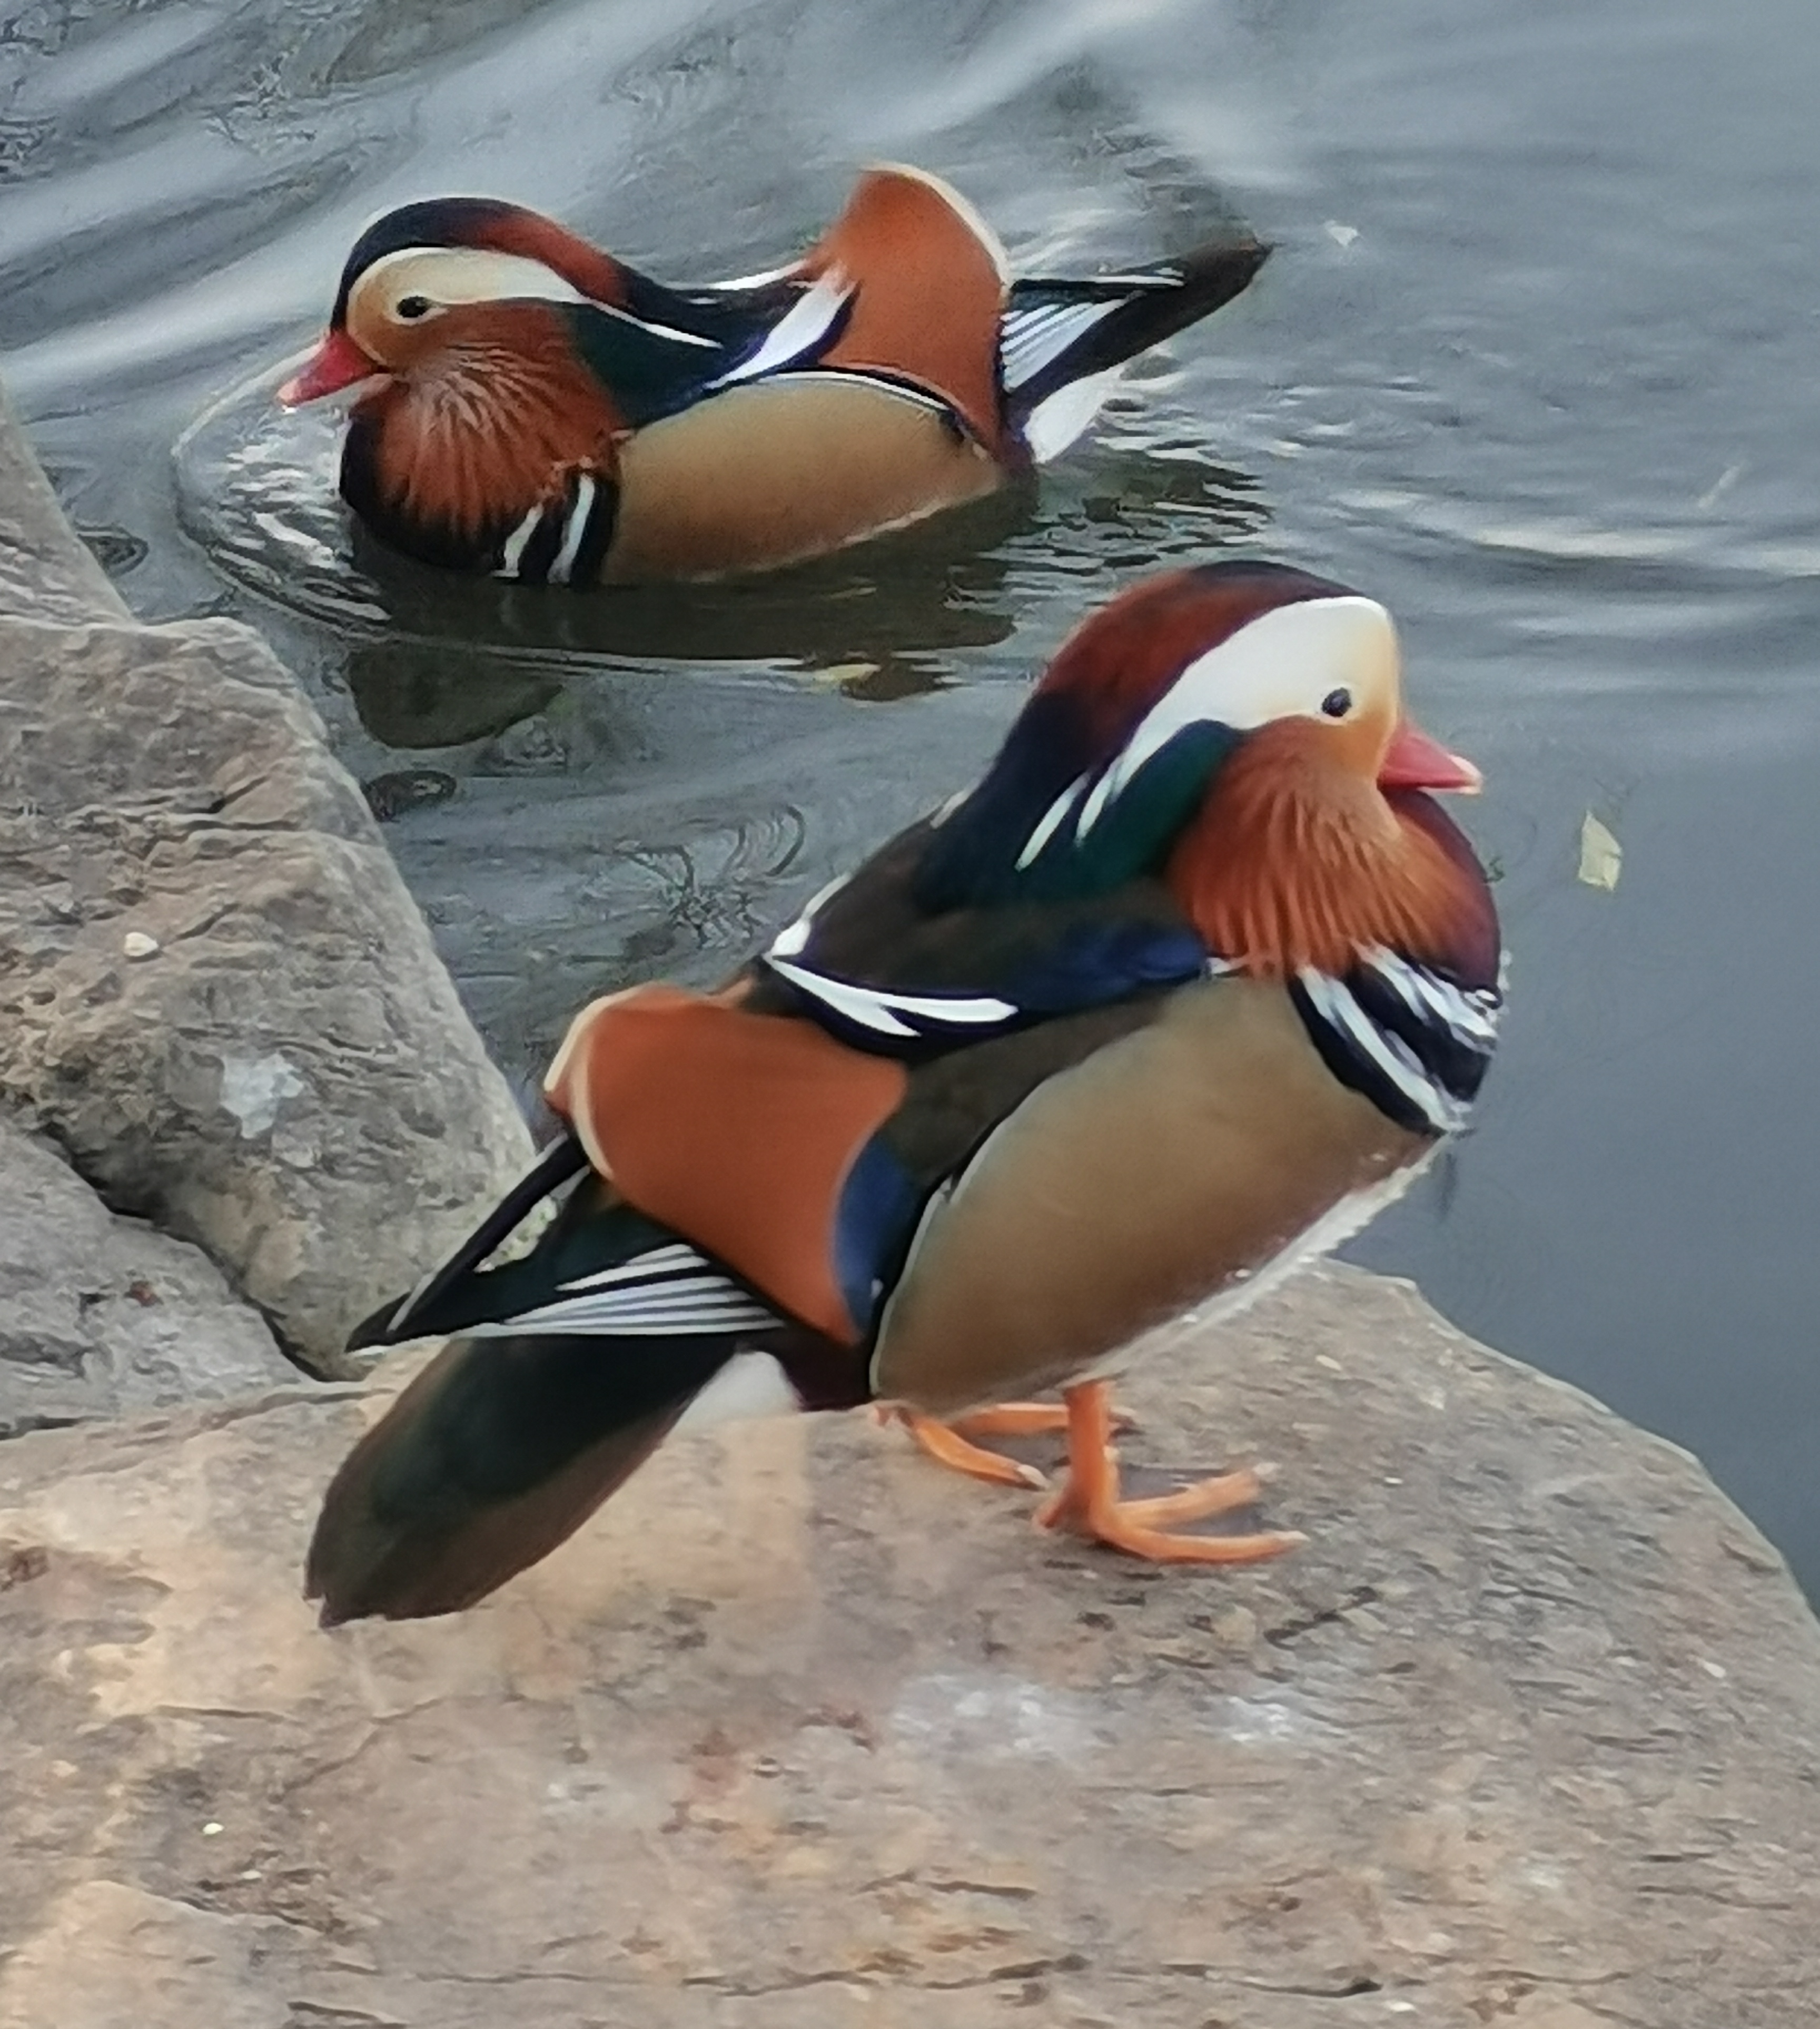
x,y
1063,342
1036,895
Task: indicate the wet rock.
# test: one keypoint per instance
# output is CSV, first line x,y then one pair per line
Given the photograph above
x,y
803,1734
101,1316
45,570
215,994
390,796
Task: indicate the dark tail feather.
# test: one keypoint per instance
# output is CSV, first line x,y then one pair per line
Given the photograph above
x,y
500,1449
1056,332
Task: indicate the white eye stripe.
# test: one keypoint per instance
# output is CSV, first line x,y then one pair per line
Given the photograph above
x,y
1280,666
463,275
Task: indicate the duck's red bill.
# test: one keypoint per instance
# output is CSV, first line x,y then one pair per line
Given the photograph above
x,y
1416,761
337,363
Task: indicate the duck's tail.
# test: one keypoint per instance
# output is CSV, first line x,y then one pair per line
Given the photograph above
x,y
573,1364
1061,344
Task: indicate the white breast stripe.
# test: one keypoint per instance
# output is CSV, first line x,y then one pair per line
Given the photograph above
x,y
801,328
574,528
1469,1015
1391,1054
512,555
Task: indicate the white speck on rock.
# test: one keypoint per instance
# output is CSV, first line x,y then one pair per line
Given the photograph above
x,y
136,944
1250,1722
1007,1715
253,1088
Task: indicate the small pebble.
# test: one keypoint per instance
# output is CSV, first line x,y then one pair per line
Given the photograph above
x,y
135,943
211,1830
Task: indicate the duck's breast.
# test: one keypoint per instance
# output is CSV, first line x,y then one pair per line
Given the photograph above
x,y
1174,1164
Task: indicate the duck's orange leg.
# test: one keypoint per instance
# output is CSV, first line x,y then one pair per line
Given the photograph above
x,y
1087,1501
952,1443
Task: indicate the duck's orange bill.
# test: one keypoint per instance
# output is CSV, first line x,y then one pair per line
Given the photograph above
x,y
1416,761
338,363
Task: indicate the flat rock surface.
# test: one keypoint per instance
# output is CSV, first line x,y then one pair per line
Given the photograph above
x,y
215,991
101,1316
802,1733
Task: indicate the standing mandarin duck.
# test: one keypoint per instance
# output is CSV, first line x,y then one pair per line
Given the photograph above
x,y
533,408
1187,987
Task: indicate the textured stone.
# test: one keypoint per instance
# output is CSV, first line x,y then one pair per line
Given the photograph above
x,y
101,1316
215,991
46,571
803,1734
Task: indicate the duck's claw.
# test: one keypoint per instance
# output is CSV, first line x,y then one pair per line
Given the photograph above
x,y
954,1442
1087,1501
949,1445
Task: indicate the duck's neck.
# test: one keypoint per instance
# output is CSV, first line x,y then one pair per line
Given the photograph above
x,y
1292,864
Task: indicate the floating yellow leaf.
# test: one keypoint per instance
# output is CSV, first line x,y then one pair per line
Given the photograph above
x,y
1601,856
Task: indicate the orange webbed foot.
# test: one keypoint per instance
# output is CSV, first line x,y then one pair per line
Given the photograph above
x,y
952,1443
1087,1501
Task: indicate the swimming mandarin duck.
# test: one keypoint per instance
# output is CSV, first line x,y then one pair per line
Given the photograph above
x,y
1189,984
531,407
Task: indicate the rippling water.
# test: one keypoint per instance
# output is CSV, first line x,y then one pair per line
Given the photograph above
x,y
1535,363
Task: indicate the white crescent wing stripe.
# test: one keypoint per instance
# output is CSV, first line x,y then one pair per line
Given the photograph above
x,y
613,1312
1032,342
1050,823
801,327
792,938
874,1008
854,1002
671,1260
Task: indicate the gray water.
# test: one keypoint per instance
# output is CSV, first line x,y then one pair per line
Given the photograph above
x,y
1535,363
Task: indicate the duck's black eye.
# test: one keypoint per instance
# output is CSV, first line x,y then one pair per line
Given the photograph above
x,y
413,307
1336,704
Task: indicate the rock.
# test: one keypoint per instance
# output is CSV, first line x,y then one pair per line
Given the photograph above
x,y
215,991
46,569
215,994
100,1315
803,1734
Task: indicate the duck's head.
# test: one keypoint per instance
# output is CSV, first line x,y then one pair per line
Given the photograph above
x,y
1251,653
414,278
1239,730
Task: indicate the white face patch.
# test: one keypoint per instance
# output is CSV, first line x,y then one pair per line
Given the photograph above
x,y
1284,664
445,275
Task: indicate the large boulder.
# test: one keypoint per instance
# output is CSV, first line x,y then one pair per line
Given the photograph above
x,y
804,1733
101,1315
215,993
